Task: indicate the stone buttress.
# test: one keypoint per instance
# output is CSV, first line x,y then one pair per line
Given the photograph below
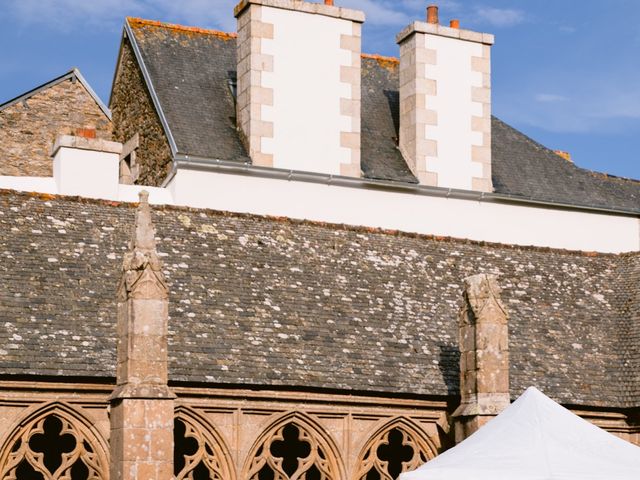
x,y
484,356
142,404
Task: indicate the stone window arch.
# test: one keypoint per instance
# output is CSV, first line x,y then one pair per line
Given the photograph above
x,y
55,442
294,447
200,452
396,447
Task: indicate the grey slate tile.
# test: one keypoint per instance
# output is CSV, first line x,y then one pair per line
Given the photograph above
x,y
190,70
272,302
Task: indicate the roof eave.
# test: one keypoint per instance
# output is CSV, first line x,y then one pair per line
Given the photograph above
x,y
186,161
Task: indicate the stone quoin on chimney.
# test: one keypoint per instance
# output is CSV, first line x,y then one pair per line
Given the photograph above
x,y
445,104
299,76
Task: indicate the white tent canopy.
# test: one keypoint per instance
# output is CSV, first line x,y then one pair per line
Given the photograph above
x,y
535,439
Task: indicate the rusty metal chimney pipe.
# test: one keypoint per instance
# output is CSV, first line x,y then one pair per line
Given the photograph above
x,y
432,14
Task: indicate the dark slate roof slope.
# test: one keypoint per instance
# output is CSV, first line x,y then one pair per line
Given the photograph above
x,y
381,158
524,168
191,68
261,301
629,306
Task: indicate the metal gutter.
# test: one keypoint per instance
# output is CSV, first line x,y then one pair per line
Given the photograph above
x,y
70,75
224,166
152,92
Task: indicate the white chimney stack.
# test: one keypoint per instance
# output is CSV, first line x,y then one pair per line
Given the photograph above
x,y
86,166
298,101
445,104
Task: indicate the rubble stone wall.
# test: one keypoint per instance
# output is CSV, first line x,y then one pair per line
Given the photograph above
x,y
133,112
29,128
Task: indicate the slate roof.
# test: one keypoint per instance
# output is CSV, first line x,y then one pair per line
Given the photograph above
x,y
275,302
524,168
190,70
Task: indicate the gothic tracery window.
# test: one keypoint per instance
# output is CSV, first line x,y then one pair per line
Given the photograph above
x,y
53,447
292,452
392,452
198,455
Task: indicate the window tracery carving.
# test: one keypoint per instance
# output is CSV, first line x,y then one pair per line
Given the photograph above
x,y
53,446
395,449
198,453
291,451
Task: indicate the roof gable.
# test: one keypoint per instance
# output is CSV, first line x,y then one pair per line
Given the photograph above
x,y
73,75
190,72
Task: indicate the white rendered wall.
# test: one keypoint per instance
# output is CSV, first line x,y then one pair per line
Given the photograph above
x,y
466,219
306,101
157,195
86,173
29,184
492,222
455,79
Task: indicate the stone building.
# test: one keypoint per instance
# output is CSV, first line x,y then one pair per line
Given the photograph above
x,y
264,312
30,123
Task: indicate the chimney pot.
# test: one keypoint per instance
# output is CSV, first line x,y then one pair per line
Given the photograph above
x,y
432,14
454,23
328,2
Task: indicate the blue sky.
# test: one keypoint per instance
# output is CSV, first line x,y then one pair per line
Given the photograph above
x,y
566,72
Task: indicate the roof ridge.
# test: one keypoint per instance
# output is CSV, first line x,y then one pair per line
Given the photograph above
x,y
537,144
388,63
136,21
375,56
133,21
316,223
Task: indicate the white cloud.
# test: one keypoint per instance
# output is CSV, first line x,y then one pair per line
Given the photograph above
x,y
380,12
202,13
567,29
499,17
616,104
595,107
66,15
550,98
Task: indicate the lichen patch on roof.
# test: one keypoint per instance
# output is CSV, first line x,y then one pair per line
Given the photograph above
x,y
293,222
390,63
137,23
358,310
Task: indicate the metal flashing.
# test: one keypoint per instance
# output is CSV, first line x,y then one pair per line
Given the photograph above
x,y
237,168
